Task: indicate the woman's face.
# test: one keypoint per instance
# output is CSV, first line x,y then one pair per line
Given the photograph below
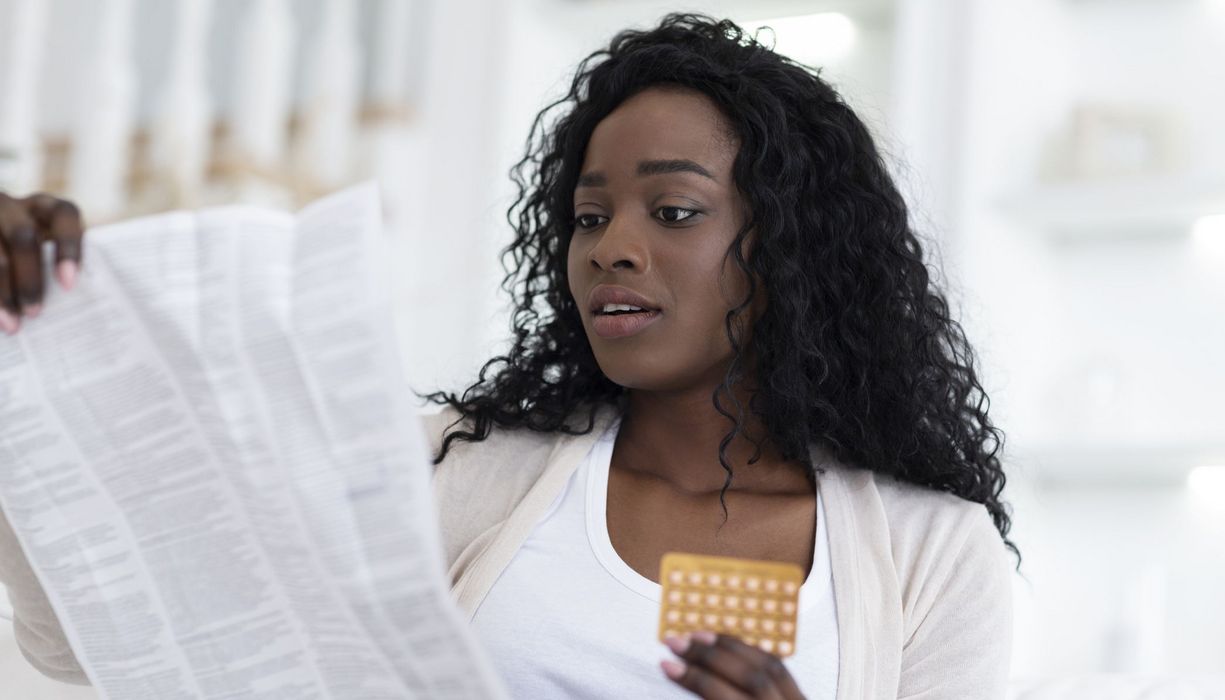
x,y
656,210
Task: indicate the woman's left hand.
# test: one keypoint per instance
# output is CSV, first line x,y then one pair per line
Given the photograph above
x,y
719,667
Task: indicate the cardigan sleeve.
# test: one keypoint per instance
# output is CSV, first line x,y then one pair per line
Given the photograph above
x,y
35,626
960,645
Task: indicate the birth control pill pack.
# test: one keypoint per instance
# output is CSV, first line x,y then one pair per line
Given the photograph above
x,y
756,601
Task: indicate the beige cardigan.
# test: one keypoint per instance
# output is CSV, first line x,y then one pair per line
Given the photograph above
x,y
922,583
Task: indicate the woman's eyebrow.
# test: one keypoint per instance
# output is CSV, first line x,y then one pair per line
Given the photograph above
x,y
677,165
649,167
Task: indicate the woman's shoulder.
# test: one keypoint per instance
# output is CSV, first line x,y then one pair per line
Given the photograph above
x,y
944,552
904,503
922,525
478,485
501,440
910,503
508,461
435,422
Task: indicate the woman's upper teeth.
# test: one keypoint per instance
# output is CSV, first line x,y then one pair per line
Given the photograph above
x,y
620,307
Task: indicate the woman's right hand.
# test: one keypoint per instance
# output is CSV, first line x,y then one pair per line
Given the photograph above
x,y
25,224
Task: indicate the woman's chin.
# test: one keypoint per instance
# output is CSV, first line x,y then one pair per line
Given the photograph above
x,y
639,375
632,373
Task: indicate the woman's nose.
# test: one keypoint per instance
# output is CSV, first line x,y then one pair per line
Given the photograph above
x,y
619,245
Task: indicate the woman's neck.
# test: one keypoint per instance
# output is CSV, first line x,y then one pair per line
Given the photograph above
x,y
675,436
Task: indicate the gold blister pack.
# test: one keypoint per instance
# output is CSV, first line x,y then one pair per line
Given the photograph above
x,y
756,601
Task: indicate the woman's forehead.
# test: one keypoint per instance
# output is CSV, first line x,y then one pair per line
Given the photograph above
x,y
662,124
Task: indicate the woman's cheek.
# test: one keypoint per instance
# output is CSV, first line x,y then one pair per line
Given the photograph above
x,y
574,260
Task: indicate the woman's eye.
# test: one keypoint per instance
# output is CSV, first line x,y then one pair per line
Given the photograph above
x,y
674,215
587,220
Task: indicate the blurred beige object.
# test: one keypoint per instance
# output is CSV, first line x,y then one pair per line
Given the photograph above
x,y
1104,141
209,111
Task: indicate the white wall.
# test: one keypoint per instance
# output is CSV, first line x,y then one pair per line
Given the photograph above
x,y
1120,579
445,266
1102,338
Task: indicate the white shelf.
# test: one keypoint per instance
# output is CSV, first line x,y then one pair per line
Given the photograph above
x,y
1119,464
1116,210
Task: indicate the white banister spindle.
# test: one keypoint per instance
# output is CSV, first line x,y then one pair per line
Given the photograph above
x,y
102,130
21,53
181,131
389,145
263,83
331,80
390,66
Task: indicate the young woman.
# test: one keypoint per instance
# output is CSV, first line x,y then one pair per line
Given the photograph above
x,y
727,341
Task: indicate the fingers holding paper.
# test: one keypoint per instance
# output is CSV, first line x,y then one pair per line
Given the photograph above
x,y
25,224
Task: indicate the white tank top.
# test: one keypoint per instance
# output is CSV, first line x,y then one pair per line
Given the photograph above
x,y
568,618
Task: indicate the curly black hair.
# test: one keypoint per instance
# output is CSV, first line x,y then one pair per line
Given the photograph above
x,y
857,349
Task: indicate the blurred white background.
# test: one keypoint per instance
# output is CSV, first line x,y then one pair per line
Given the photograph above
x,y
1065,157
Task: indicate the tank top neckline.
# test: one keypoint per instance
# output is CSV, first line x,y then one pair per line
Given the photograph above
x,y
596,468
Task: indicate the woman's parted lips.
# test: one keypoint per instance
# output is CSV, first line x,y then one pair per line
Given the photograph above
x,y
611,294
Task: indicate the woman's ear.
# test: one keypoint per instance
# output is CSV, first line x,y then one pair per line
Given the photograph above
x,y
760,298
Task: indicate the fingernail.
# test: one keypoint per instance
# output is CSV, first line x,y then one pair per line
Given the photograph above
x,y
8,322
704,637
32,311
67,272
673,669
678,645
